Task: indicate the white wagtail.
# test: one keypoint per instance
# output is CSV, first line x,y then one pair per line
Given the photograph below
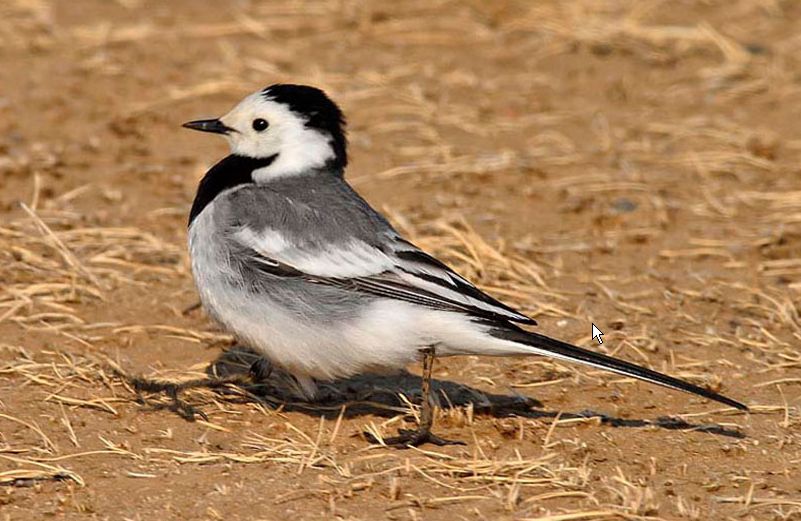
x,y
292,261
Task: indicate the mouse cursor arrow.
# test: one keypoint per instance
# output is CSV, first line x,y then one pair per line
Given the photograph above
x,y
597,333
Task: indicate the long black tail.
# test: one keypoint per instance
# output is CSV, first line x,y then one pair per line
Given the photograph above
x,y
547,346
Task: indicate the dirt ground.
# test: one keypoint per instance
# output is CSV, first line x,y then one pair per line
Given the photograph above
x,y
636,164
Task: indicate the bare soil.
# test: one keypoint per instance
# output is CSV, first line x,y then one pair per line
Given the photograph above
x,y
636,164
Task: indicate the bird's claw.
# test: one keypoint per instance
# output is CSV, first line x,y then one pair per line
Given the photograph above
x,y
407,438
186,411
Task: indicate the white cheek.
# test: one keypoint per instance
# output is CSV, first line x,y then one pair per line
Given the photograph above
x,y
301,149
250,145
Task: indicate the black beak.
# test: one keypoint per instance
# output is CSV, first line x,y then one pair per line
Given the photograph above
x,y
209,125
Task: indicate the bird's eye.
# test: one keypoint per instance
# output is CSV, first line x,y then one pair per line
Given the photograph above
x,y
260,124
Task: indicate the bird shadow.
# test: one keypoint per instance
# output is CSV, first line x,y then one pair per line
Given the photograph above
x,y
382,395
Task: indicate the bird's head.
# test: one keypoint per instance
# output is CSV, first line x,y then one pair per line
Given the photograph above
x,y
296,125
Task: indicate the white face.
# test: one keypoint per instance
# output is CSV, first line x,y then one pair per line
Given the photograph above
x,y
297,147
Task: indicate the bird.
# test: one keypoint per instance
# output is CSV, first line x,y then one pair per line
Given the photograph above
x,y
292,261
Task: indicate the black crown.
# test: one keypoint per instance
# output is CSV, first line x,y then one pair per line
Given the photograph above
x,y
318,109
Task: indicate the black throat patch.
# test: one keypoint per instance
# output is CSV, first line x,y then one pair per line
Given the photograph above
x,y
229,172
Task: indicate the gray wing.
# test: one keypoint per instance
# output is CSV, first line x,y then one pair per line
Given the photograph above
x,y
341,241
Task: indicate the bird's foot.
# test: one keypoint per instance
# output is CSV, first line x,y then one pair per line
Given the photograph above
x,y
407,438
260,370
186,411
172,390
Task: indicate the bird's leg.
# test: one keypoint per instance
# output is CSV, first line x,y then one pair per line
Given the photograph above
x,y
412,438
